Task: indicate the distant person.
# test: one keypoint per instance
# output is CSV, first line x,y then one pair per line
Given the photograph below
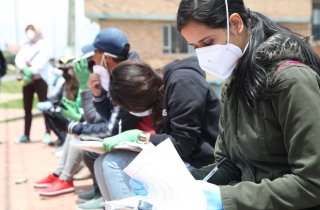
x,y
3,65
33,61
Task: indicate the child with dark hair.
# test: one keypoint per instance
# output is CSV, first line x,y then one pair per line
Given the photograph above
x,y
183,107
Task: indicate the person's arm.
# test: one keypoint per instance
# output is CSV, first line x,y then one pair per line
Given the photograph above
x,y
297,109
20,59
227,172
103,105
89,111
119,121
186,100
41,59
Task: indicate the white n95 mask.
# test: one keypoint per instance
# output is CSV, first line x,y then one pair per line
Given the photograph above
x,y
220,59
31,34
104,74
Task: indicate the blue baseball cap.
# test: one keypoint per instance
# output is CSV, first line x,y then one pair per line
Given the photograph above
x,y
110,40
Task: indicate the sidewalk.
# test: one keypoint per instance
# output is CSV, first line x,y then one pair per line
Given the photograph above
x,y
28,161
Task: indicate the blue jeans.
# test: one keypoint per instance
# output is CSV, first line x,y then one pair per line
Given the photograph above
x,y
112,181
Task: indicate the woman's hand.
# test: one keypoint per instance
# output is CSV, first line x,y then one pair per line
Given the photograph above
x,y
127,136
94,84
212,195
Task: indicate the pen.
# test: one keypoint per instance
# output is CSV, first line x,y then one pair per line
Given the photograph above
x,y
213,171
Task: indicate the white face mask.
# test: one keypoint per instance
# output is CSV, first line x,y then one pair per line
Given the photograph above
x,y
142,114
220,59
104,74
31,34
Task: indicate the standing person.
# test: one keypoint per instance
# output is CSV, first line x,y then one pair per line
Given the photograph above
x,y
183,106
33,60
269,125
3,65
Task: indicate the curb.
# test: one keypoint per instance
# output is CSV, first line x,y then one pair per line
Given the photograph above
x,y
38,114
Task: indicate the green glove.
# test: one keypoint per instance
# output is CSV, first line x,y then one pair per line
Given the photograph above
x,y
27,76
127,136
70,109
82,73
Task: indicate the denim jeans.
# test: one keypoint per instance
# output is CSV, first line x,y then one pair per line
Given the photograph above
x,y
112,181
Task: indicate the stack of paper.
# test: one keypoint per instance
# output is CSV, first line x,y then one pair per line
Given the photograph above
x,y
166,178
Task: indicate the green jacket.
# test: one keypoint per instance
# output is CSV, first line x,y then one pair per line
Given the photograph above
x,y
276,147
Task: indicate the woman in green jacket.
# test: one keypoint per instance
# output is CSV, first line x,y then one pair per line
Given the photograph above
x,y
269,124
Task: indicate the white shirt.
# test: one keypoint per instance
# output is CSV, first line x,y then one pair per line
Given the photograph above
x,y
37,54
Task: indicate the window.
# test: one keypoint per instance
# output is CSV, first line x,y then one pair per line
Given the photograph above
x,y
173,42
316,21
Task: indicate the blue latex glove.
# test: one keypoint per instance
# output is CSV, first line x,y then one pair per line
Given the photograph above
x,y
45,105
212,195
137,188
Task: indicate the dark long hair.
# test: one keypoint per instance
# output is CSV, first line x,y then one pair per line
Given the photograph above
x,y
135,86
250,76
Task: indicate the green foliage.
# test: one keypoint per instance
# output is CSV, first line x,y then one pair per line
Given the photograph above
x,y
16,104
9,57
12,86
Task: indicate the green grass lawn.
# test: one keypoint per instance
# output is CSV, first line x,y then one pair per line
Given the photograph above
x,y
13,87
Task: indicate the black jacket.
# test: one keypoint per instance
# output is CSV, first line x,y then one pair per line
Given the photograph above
x,y
104,119
190,112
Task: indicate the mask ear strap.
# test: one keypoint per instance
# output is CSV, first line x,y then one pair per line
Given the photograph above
x,y
228,28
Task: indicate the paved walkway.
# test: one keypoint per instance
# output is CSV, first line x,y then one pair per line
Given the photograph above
x,y
28,161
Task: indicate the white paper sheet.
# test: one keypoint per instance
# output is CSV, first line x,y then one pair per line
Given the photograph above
x,y
95,144
166,178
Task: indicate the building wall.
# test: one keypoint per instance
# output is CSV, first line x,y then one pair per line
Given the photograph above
x,y
146,35
146,38
296,13
282,8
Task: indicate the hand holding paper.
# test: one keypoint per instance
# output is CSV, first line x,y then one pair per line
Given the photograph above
x,y
212,195
127,136
137,188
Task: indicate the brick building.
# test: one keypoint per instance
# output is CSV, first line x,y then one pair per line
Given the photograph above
x,y
150,24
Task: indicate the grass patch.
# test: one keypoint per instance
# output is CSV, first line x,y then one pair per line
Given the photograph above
x,y
12,86
17,104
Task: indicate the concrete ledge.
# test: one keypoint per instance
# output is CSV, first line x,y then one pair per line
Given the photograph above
x,y
18,116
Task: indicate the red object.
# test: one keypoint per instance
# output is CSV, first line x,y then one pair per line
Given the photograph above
x,y
288,63
58,187
145,124
46,182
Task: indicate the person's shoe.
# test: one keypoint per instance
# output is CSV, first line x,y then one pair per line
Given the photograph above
x,y
44,105
23,139
46,182
47,138
94,204
82,174
58,187
56,143
85,196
